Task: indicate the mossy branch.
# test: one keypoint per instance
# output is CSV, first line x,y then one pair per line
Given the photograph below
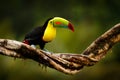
x,y
68,63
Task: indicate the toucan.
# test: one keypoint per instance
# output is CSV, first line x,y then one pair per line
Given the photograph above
x,y
46,33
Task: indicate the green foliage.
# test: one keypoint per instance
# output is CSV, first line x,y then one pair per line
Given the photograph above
x,y
91,18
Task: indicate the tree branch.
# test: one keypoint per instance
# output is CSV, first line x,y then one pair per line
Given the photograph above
x,y
68,63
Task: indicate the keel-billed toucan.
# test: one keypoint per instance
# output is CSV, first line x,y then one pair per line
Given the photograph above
x,y
47,32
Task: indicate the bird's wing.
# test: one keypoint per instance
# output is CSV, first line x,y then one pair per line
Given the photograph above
x,y
34,34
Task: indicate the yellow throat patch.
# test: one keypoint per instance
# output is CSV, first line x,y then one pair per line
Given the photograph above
x,y
50,33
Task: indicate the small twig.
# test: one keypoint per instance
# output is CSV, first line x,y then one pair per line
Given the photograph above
x,y
68,63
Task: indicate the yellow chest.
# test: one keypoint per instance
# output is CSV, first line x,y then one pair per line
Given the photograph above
x,y
49,33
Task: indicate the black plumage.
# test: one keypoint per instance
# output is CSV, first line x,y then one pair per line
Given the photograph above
x,y
34,37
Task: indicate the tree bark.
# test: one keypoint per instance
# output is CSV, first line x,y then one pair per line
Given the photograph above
x,y
68,63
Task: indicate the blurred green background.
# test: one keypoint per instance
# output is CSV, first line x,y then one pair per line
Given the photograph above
x,y
91,18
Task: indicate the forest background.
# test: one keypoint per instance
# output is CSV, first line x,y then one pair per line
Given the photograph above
x,y
91,18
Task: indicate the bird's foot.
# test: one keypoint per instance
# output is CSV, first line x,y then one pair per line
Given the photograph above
x,y
46,51
33,46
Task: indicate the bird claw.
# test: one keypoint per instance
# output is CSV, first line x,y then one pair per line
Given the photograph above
x,y
46,51
33,46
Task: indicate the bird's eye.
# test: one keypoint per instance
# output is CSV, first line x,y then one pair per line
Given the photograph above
x,y
51,22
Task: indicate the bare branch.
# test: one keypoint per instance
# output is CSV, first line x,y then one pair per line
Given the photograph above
x,y
68,63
